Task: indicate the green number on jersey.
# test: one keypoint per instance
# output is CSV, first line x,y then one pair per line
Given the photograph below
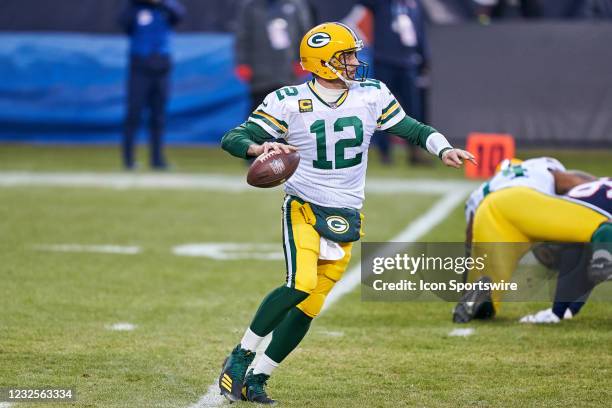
x,y
514,171
288,91
370,82
318,128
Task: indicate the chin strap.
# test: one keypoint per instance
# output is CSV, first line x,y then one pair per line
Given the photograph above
x,y
348,82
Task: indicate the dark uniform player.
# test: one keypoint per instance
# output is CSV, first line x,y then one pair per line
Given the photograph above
x,y
149,24
576,279
401,58
268,33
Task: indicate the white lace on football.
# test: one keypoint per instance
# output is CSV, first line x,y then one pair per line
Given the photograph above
x,y
266,156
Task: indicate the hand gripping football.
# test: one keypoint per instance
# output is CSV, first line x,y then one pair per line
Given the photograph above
x,y
272,169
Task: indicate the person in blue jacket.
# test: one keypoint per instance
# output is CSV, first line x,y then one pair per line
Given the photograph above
x,y
149,24
401,59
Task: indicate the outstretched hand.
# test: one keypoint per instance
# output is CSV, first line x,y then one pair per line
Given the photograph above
x,y
455,158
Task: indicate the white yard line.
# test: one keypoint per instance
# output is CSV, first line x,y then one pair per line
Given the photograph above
x,y
468,331
214,182
453,196
102,249
212,398
416,229
122,326
5,404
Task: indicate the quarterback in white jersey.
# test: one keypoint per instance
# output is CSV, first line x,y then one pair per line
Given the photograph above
x,y
332,138
330,121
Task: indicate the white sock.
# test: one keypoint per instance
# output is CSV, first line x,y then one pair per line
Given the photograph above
x,y
265,365
250,340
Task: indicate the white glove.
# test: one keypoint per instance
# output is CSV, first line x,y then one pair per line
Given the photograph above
x,y
545,317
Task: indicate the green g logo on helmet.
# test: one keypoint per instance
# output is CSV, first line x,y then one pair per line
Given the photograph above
x,y
318,40
337,224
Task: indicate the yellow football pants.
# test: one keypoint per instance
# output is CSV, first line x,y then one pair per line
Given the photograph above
x,y
305,271
521,214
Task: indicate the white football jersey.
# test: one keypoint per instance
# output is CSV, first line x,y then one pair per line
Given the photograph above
x,y
532,173
332,139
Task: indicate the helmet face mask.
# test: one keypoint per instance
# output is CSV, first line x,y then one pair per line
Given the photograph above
x,y
329,51
346,66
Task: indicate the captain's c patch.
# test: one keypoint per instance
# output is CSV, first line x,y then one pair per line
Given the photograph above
x,y
305,105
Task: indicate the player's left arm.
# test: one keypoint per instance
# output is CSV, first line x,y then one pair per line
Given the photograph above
x,y
250,140
263,131
394,120
430,139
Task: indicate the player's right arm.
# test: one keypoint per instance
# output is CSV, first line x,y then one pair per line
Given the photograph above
x,y
262,132
250,140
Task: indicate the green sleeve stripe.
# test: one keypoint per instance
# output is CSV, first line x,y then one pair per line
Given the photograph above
x,y
391,115
393,102
282,124
486,189
254,117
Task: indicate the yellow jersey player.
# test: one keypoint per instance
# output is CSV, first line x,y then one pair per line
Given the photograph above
x,y
330,121
522,204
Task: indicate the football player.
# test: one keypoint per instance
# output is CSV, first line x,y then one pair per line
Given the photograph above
x,y
520,204
330,121
576,280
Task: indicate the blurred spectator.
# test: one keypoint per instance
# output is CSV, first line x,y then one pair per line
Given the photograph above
x,y
497,9
562,9
598,9
401,60
549,9
149,25
448,11
268,34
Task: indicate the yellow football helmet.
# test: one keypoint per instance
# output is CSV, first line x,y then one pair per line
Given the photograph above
x,y
323,52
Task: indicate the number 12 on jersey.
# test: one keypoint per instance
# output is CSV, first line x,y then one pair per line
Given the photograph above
x,y
341,162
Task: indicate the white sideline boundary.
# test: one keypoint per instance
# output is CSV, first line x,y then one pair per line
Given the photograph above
x,y
212,182
352,278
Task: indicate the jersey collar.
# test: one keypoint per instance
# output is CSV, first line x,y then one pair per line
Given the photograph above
x,y
332,105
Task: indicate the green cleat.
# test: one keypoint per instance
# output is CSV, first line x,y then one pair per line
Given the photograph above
x,y
255,389
231,379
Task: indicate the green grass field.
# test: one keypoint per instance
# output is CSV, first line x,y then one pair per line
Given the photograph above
x,y
57,307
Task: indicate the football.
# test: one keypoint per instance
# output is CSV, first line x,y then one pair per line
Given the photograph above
x,y
272,169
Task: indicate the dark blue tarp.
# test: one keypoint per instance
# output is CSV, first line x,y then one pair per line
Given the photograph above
x,y
70,88
65,88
